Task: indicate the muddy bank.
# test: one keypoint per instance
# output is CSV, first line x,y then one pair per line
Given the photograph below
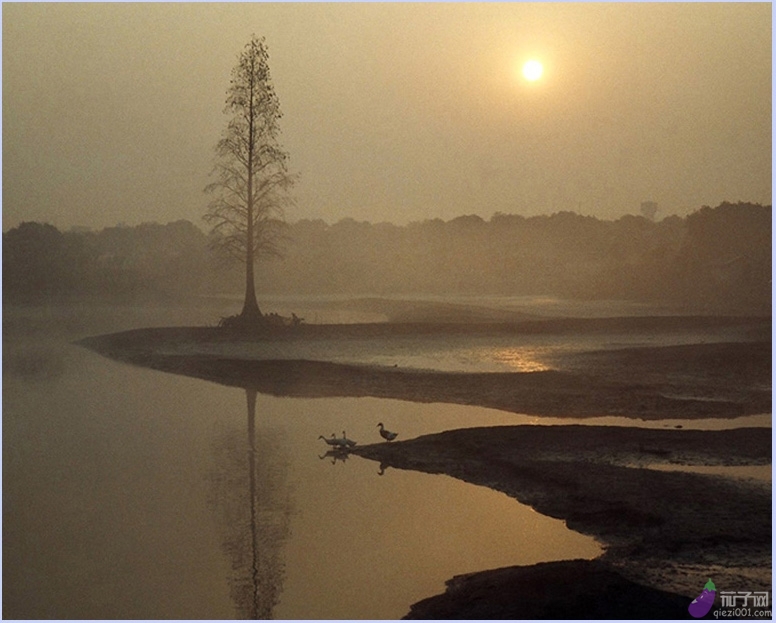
x,y
664,531
696,381
570,589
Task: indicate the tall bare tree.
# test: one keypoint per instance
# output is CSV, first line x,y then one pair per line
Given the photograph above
x,y
252,178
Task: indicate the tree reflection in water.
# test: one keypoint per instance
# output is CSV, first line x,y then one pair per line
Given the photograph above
x,y
252,497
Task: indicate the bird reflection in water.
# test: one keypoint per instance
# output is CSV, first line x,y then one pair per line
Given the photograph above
x,y
253,499
338,454
340,447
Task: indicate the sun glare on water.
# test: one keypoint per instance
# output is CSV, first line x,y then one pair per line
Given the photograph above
x,y
522,359
532,70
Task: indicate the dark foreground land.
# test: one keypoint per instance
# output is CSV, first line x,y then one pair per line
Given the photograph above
x,y
665,532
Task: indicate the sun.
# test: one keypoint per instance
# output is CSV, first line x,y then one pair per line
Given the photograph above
x,y
532,70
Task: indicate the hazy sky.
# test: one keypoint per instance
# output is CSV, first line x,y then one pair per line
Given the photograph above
x,y
392,112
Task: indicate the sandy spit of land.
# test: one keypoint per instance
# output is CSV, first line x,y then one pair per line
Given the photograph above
x,y
727,379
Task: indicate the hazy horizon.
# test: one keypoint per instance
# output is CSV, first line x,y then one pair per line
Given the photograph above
x,y
392,112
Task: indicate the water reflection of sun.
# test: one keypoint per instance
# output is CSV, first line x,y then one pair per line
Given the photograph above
x,y
521,359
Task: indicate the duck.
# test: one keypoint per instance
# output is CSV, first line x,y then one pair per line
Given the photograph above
x,y
386,434
334,441
347,442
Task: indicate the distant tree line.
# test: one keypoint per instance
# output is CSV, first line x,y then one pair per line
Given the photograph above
x,y
716,259
149,260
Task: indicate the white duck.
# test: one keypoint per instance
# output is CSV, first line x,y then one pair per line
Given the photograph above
x,y
386,434
335,441
347,442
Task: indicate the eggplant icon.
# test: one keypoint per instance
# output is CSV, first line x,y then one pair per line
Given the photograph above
x,y
701,605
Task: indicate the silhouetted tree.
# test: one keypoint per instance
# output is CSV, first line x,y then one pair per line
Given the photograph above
x,y
715,259
246,213
726,257
39,259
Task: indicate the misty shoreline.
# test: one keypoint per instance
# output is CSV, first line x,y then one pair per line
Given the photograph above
x,y
661,530
719,379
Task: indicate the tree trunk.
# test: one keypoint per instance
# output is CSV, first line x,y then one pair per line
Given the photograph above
x,y
250,309
250,305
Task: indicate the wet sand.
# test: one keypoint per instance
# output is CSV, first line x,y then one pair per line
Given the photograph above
x,y
665,532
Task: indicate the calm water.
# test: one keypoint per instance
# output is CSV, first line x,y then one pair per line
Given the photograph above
x,y
130,493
